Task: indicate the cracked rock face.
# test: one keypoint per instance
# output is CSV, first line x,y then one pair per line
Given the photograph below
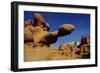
x,y
37,40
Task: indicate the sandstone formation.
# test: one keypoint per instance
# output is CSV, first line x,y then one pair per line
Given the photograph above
x,y
37,40
40,21
65,29
37,31
85,47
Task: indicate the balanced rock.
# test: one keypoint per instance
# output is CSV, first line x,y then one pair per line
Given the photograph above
x,y
65,29
37,40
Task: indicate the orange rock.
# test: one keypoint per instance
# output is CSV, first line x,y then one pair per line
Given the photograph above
x,y
65,29
37,40
40,21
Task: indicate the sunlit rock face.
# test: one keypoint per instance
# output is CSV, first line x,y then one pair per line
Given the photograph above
x,y
37,40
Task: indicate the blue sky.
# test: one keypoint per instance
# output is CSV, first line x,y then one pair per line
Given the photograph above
x,y
55,20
